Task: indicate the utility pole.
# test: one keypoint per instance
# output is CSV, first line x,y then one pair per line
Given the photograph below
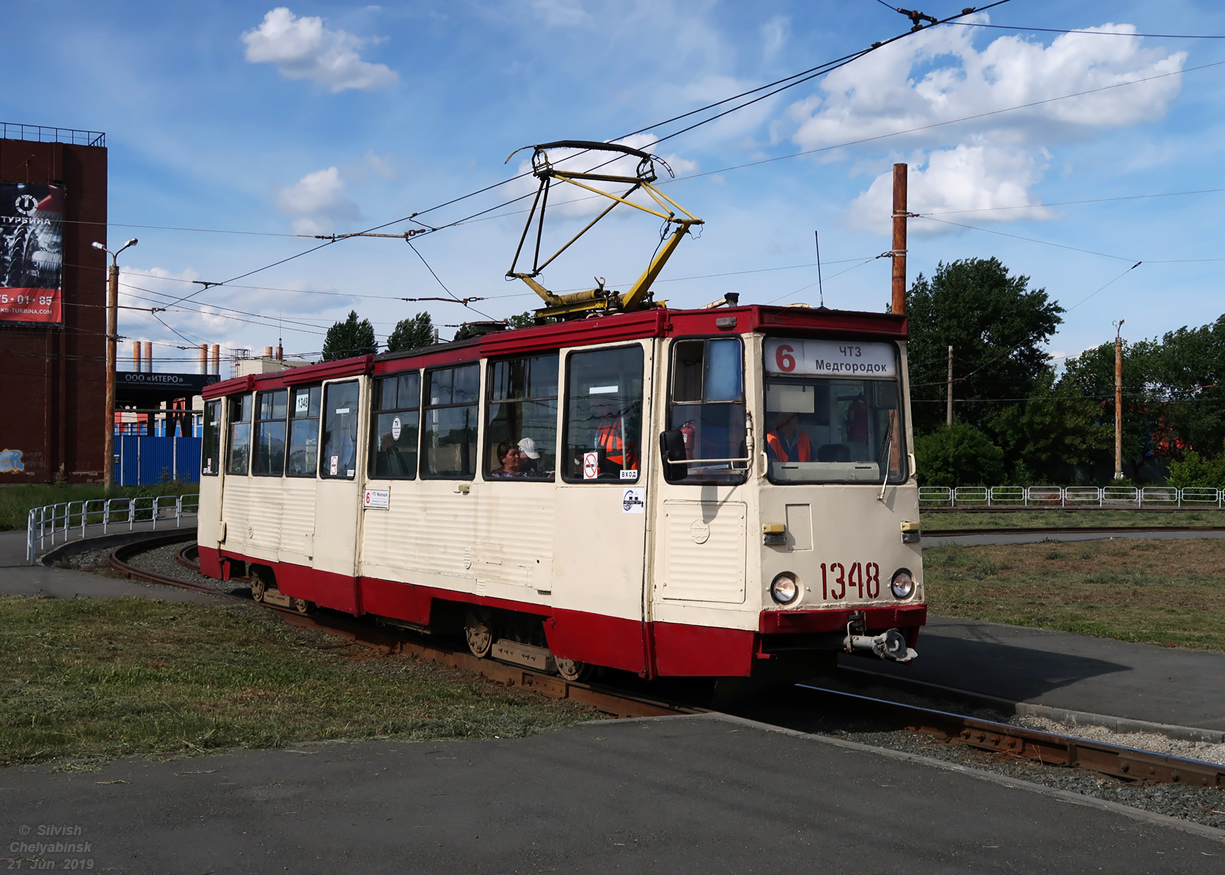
x,y
899,239
948,413
112,337
1118,400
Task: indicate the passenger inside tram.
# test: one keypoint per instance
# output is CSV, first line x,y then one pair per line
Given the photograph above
x,y
512,460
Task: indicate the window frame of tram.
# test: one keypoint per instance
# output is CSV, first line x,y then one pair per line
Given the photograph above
x,y
592,378
394,426
459,416
827,369
305,407
271,421
705,398
238,453
338,442
210,443
521,404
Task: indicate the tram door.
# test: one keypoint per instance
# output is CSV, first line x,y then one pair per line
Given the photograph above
x,y
701,510
337,499
600,541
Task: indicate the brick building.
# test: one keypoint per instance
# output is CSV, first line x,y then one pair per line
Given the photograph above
x,y
53,197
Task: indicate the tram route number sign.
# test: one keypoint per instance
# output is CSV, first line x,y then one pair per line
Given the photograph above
x,y
830,358
377,498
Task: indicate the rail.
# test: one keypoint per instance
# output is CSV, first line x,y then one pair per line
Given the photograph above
x,y
60,523
1120,497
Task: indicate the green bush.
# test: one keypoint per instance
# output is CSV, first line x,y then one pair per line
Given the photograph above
x,y
1194,470
958,455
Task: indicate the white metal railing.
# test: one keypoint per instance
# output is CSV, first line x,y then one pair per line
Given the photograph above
x,y
1006,497
60,523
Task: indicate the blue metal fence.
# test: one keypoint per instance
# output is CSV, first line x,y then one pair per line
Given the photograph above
x,y
142,460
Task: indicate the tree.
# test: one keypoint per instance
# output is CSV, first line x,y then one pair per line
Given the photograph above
x,y
997,328
528,318
349,338
413,333
1191,371
1090,376
958,455
1054,431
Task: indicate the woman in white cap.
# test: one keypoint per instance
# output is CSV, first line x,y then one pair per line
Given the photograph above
x,y
529,455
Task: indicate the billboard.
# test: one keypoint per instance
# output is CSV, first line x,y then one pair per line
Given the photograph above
x,y
31,253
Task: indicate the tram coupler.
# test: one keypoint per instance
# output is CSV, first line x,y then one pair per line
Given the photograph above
x,y
890,645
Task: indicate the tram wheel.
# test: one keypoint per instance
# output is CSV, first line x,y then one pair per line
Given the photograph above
x,y
258,588
302,606
478,630
572,670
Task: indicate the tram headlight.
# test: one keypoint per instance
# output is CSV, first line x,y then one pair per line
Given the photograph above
x,y
902,584
785,589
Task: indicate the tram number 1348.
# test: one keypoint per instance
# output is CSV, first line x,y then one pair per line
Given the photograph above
x,y
837,579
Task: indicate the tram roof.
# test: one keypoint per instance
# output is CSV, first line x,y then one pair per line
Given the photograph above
x,y
656,322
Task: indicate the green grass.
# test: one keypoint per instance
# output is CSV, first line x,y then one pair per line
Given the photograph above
x,y
944,521
16,500
92,679
1152,592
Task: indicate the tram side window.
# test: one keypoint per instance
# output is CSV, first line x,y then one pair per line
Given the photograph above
x,y
449,435
270,425
240,434
340,411
603,427
210,461
521,431
707,405
303,453
393,438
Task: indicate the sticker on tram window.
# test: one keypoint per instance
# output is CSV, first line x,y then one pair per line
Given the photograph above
x,y
591,466
629,474
377,498
334,466
634,501
396,428
302,404
853,580
829,358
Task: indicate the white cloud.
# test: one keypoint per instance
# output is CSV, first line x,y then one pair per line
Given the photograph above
x,y
774,35
561,13
317,201
887,91
304,48
924,85
974,177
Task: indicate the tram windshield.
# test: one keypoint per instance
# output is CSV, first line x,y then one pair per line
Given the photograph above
x,y
833,412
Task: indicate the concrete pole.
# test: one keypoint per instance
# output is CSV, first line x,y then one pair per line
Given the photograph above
x,y
948,412
1118,400
899,239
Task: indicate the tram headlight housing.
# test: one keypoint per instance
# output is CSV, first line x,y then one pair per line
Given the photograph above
x,y
785,588
902,584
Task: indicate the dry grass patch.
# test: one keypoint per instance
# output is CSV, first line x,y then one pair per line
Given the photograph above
x,y
1153,592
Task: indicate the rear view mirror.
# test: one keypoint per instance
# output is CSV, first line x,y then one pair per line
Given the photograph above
x,y
672,451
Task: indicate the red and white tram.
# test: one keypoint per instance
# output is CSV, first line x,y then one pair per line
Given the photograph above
x,y
722,492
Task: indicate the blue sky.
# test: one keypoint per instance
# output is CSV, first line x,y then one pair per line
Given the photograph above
x,y
237,131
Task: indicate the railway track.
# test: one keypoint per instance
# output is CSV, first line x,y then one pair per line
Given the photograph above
x,y
1001,739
